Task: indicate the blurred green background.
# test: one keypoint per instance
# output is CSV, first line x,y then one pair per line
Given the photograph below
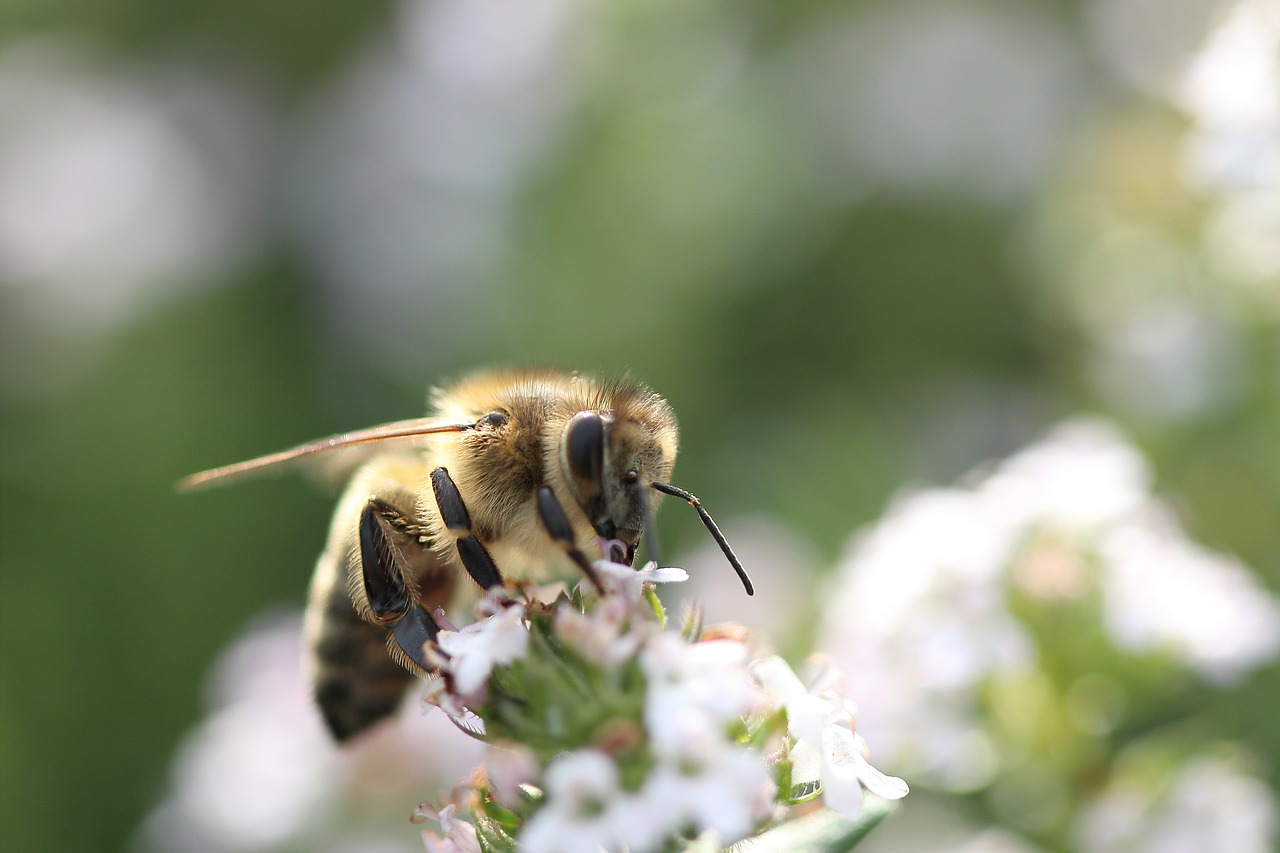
x,y
857,245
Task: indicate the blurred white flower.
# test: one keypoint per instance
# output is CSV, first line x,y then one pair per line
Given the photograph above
x,y
261,771
918,619
921,619
459,836
1081,477
121,186
1139,54
598,635
508,766
1163,592
1232,92
409,166
1209,806
936,98
703,781
586,809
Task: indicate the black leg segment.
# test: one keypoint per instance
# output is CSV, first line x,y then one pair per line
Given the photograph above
x,y
476,559
413,632
390,597
557,525
384,583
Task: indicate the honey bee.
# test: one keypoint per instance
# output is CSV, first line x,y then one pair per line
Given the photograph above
x,y
516,468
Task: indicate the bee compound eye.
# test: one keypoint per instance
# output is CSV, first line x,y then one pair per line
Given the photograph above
x,y
493,419
584,447
631,476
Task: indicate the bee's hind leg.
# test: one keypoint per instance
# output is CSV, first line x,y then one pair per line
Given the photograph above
x,y
393,603
476,558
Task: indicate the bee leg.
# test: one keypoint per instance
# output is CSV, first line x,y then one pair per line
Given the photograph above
x,y
557,525
392,602
476,558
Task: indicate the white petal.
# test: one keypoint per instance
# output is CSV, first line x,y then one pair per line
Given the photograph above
x,y
844,755
806,714
888,787
579,776
777,677
806,762
664,575
841,783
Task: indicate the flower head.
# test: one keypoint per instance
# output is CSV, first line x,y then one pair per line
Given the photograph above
x,y
607,731
469,655
826,747
459,836
630,582
585,809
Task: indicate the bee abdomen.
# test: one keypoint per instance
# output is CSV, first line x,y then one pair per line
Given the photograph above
x,y
356,682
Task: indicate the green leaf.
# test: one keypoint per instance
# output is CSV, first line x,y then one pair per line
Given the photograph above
x,y
659,613
769,726
691,630
823,831
492,838
503,817
804,792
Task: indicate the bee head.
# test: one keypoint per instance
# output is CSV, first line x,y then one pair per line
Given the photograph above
x,y
609,463
616,463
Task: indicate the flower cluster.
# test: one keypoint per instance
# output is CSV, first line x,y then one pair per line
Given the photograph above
x,y
1208,802
605,729
1022,625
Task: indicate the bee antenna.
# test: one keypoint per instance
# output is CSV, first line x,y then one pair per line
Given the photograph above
x,y
709,522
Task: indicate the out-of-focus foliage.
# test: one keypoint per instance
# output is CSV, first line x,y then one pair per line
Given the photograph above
x,y
857,246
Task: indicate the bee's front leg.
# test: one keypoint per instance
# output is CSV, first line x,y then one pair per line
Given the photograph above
x,y
392,600
561,531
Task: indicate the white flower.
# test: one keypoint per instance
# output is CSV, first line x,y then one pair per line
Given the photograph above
x,y
598,635
507,767
459,836
846,772
704,782
1081,477
1209,805
439,695
1161,591
921,612
630,582
707,679
474,651
586,810
826,748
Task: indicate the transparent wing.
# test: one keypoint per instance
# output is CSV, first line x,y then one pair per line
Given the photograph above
x,y
381,433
